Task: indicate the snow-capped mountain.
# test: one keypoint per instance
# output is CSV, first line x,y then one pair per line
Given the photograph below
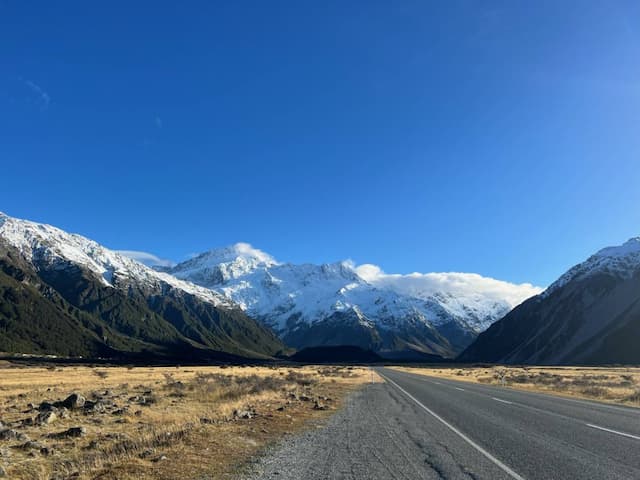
x,y
620,261
125,305
50,247
591,314
309,304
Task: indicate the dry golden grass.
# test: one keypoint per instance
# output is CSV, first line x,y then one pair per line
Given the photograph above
x,y
608,384
189,425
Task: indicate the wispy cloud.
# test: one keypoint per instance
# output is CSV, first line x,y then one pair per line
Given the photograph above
x,y
148,259
43,97
459,284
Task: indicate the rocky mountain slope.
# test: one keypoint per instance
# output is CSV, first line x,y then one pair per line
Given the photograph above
x,y
591,314
64,294
311,305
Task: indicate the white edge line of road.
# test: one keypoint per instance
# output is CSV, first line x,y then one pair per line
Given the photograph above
x,y
497,462
458,388
613,431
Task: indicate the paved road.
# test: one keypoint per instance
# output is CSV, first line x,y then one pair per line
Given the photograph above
x,y
417,427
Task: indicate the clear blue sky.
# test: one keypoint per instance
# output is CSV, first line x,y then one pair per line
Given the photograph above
x,y
501,138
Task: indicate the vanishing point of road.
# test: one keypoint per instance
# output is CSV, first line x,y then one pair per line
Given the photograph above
x,y
418,427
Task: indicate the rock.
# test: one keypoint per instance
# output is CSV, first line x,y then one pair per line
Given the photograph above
x,y
73,432
31,445
3,472
73,401
93,444
47,407
46,418
304,398
94,407
46,451
243,414
161,458
319,406
8,434
147,453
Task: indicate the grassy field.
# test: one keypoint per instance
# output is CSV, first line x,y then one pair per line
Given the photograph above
x,y
157,422
608,384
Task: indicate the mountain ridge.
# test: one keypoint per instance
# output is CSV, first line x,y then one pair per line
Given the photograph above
x,y
591,314
109,304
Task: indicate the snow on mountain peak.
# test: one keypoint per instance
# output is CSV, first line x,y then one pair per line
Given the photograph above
x,y
631,248
621,261
50,247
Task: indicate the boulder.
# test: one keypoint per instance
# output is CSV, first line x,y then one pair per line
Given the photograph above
x,y
73,401
46,418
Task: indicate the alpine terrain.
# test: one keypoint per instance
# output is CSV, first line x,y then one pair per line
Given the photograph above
x,y
64,294
311,305
591,314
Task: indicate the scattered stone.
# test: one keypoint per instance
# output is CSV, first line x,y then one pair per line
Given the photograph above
x,y
161,458
31,445
94,407
244,414
93,444
8,434
46,418
27,422
73,401
47,407
138,413
147,453
317,405
3,472
280,408
46,451
304,398
73,432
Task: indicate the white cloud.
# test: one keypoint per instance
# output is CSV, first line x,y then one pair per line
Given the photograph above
x,y
422,285
148,259
43,97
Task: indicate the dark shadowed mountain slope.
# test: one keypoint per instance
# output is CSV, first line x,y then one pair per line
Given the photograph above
x,y
590,315
64,294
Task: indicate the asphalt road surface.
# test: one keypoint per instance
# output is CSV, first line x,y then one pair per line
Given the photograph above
x,y
417,427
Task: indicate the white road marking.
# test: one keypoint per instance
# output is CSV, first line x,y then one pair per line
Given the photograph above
x,y
497,462
437,383
503,401
458,388
613,431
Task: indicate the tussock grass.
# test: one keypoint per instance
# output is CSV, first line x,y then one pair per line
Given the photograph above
x,y
160,422
609,384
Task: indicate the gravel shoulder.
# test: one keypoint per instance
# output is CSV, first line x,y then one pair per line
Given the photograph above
x,y
378,434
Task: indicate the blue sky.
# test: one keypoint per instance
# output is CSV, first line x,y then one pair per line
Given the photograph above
x,y
501,138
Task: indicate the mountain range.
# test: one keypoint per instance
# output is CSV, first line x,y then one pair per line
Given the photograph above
x,y
338,303
64,294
